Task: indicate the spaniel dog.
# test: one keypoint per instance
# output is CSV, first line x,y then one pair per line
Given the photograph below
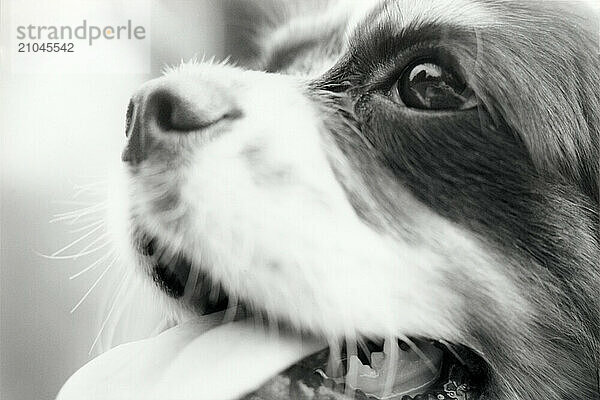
x,y
413,183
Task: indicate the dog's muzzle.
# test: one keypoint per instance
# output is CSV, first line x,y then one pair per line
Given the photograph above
x,y
163,108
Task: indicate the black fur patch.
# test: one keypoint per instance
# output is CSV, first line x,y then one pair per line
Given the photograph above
x,y
520,171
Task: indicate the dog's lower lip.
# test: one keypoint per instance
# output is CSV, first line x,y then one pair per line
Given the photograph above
x,y
171,280
149,248
171,272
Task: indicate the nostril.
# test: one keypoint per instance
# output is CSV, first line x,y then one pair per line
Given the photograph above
x,y
175,113
172,108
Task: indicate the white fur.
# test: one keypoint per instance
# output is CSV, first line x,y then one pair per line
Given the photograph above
x,y
277,230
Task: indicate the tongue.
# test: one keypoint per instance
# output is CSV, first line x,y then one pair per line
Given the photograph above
x,y
195,360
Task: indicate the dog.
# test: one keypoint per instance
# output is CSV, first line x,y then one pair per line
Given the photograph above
x,y
399,169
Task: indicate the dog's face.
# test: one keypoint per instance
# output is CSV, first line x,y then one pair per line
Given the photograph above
x,y
391,169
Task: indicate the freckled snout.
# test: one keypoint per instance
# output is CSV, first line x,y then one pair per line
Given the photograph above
x,y
167,106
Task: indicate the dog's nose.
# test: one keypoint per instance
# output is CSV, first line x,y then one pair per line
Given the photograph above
x,y
168,110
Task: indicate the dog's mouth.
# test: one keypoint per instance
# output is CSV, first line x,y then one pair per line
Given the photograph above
x,y
172,272
413,368
394,370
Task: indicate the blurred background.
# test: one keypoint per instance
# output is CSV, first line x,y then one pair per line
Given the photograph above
x,y
59,130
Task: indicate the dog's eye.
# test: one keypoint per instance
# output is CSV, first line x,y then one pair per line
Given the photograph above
x,y
429,85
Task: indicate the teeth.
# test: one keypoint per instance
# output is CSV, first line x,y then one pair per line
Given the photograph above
x,y
377,360
410,374
357,372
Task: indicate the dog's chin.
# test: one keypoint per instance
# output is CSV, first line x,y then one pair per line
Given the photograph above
x,y
368,366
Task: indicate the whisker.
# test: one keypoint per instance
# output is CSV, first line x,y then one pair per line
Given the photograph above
x,y
392,364
100,209
334,363
73,256
83,220
452,350
96,222
66,217
91,188
101,182
73,243
351,380
78,211
74,203
231,310
115,301
110,335
91,266
191,283
95,283
159,325
215,290
79,192
363,346
419,352
76,215
98,239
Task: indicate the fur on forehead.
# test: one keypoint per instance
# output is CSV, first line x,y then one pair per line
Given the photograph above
x,y
532,60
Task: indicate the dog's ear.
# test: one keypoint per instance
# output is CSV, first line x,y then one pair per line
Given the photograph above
x,y
244,22
542,77
249,22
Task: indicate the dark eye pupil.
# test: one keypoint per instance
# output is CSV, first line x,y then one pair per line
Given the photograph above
x,y
429,86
